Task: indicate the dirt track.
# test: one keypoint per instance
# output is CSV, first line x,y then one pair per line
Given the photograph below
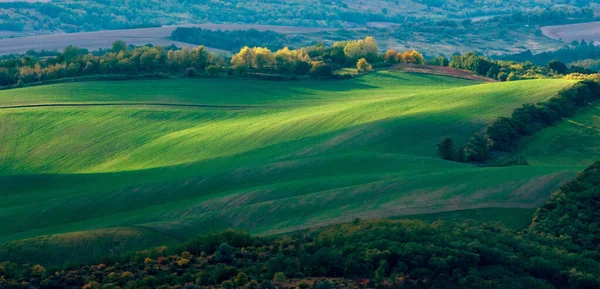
x,y
104,39
439,70
583,31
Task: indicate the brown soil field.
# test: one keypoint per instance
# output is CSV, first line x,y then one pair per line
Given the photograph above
x,y
583,31
104,39
439,70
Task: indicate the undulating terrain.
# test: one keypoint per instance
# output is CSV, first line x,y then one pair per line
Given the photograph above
x,y
132,164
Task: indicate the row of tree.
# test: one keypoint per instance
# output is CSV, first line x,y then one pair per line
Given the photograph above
x,y
578,50
509,70
318,61
505,133
231,40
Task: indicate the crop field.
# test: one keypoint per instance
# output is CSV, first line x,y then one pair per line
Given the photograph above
x,y
173,159
157,36
582,31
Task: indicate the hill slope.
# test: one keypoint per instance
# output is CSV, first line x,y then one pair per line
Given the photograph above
x,y
187,157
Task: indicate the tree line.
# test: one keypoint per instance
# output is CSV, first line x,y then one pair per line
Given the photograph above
x,y
232,40
559,250
577,51
505,133
318,61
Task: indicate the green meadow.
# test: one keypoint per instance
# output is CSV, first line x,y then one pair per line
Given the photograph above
x,y
160,161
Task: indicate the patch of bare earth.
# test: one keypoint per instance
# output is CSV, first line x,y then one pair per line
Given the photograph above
x,y
440,70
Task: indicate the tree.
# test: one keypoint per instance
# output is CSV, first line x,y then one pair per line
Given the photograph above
x,y
412,56
241,279
503,135
73,69
477,149
370,49
380,273
263,58
558,66
70,52
279,277
391,56
446,150
253,285
302,68
321,70
243,58
190,72
440,61
227,284
38,270
266,284
224,253
363,66
92,285
213,70
118,46
201,57
324,285
366,48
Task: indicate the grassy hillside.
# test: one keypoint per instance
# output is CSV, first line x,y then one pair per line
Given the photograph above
x,y
574,141
558,249
187,157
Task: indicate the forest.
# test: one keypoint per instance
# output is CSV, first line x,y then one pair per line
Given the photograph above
x,y
559,250
88,15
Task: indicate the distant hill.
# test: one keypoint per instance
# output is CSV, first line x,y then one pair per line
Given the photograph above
x,y
76,16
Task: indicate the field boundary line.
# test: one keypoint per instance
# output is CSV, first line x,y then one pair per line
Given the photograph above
x,y
133,104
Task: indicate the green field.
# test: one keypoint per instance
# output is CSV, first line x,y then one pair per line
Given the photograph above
x,y
173,159
572,142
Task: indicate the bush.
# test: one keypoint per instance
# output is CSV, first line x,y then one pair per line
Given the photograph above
x,y
279,277
363,66
190,72
446,149
227,284
321,69
558,67
266,284
241,279
214,70
224,253
302,68
503,135
324,285
476,150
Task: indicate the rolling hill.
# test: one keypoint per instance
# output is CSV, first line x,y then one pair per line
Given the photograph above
x,y
146,161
